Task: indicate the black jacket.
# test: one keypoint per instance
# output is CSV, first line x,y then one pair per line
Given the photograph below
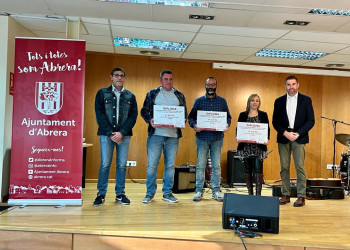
x,y
105,109
304,118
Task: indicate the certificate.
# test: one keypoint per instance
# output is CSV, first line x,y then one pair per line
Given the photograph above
x,y
212,120
252,132
169,116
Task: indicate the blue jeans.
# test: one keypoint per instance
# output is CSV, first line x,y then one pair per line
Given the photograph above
x,y
107,148
155,145
203,148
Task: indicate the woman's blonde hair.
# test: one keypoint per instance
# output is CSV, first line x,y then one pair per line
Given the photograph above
x,y
250,98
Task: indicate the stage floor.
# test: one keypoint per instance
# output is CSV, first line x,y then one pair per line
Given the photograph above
x,y
319,224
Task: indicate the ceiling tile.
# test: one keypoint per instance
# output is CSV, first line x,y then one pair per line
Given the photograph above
x,y
153,34
213,57
327,37
49,34
97,29
95,20
221,49
336,58
251,42
157,25
243,31
42,24
306,46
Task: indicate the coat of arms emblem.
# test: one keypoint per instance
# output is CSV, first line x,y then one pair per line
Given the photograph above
x,y
48,97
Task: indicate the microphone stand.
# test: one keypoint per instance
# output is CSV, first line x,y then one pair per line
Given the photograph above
x,y
334,122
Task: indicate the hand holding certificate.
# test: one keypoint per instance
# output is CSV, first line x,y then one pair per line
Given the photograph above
x,y
252,132
212,120
169,116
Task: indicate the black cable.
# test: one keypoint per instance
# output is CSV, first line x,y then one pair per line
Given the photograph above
x,y
131,177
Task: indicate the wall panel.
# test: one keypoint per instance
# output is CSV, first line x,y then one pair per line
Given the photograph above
x,y
329,95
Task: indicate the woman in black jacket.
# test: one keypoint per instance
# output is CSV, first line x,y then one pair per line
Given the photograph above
x,y
253,154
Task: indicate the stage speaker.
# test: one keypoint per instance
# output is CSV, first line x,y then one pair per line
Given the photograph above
x,y
184,179
256,213
235,169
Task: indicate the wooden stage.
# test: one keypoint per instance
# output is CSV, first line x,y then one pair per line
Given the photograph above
x,y
321,224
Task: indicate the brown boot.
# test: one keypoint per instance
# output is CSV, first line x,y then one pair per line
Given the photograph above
x,y
248,181
259,182
299,202
284,199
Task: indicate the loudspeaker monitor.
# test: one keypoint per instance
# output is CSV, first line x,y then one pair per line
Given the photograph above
x,y
256,213
184,179
235,169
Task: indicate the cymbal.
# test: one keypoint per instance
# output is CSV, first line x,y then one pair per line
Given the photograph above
x,y
343,139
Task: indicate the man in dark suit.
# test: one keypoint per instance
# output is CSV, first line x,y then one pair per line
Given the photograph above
x,y
293,118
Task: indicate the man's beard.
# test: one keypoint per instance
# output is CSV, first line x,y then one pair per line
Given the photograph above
x,y
210,91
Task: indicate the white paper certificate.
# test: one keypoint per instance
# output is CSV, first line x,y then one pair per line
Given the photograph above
x,y
211,120
252,132
169,116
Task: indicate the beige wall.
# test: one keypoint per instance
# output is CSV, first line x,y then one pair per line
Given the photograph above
x,y
9,29
329,96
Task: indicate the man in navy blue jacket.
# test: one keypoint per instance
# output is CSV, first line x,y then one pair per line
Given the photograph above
x,y
293,118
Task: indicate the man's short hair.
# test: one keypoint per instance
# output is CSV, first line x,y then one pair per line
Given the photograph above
x,y
118,69
292,78
211,77
166,71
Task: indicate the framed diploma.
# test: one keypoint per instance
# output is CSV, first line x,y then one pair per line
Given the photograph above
x,y
169,116
212,120
252,132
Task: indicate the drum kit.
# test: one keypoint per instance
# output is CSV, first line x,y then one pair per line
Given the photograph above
x,y
344,166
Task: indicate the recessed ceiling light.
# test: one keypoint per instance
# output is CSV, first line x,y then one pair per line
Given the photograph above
x,y
334,65
148,44
205,17
164,2
330,12
149,53
292,54
195,17
291,22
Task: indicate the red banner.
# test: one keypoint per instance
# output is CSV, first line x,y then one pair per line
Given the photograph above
x,y
47,130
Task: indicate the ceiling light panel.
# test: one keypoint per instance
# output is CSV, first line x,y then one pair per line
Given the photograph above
x,y
149,44
330,12
291,54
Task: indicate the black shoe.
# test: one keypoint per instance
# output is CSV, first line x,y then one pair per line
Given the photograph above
x,y
122,199
100,199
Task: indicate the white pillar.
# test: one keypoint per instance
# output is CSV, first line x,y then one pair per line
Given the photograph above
x,y
9,29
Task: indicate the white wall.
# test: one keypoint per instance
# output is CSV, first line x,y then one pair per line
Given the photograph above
x,y
9,29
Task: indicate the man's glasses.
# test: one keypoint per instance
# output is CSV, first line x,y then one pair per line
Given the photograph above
x,y
210,85
117,75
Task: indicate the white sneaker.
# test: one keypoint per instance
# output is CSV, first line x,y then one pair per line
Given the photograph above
x,y
198,196
218,196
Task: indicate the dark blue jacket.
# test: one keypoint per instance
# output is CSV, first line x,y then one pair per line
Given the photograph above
x,y
147,108
105,109
304,118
